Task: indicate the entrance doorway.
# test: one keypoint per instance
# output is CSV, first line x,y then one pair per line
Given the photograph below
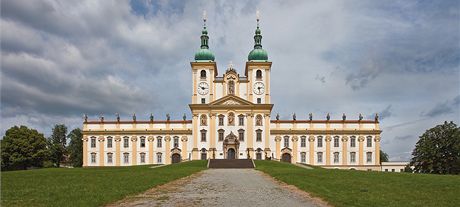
x,y
258,156
286,157
175,158
231,154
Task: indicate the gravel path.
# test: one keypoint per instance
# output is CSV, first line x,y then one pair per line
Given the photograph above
x,y
223,187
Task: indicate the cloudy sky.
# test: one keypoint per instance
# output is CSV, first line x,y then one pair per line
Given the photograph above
x,y
61,59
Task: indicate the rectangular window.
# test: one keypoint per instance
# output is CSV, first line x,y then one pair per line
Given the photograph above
x,y
353,142
203,136
126,158
241,135
109,157
93,142
352,157
241,120
126,142
221,136
221,121
259,100
386,170
259,135
369,141
109,142
336,157
142,142
142,157
400,170
303,142
303,157
319,157
369,157
286,142
203,100
159,158
320,142
176,142
336,142
392,170
159,143
93,157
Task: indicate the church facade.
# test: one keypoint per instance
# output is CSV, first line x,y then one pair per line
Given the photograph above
x,y
232,119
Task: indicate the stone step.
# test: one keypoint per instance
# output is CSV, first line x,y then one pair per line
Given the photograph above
x,y
230,163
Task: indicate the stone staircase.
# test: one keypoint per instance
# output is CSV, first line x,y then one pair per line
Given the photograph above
x,y
227,163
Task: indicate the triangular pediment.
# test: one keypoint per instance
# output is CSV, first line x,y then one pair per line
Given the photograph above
x,y
231,100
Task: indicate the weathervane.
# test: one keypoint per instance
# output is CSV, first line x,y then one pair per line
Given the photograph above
x,y
257,17
230,65
204,17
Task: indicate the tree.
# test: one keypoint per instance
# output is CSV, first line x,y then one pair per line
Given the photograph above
x,y
22,148
438,150
75,147
383,156
57,143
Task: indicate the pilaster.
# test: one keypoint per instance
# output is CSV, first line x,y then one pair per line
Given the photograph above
x,y
184,140
195,137
328,150
267,131
134,147
117,150
151,143
278,147
311,144
361,150
212,128
344,150
377,149
101,150
250,140
294,149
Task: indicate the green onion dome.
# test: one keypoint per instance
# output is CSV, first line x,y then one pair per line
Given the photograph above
x,y
204,54
258,54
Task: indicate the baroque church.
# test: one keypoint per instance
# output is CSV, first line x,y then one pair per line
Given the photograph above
x,y
232,119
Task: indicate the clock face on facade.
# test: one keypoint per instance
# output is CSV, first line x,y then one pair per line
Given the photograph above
x,y
259,88
203,88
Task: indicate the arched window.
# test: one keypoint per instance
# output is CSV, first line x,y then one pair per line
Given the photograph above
x,y
203,74
93,157
259,120
231,119
125,142
259,74
159,158
93,142
203,120
109,142
204,155
176,142
286,141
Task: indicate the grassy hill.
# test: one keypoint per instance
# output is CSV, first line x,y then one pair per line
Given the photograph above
x,y
358,188
86,186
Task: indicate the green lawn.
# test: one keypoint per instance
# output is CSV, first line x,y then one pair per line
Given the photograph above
x,y
86,186
358,188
